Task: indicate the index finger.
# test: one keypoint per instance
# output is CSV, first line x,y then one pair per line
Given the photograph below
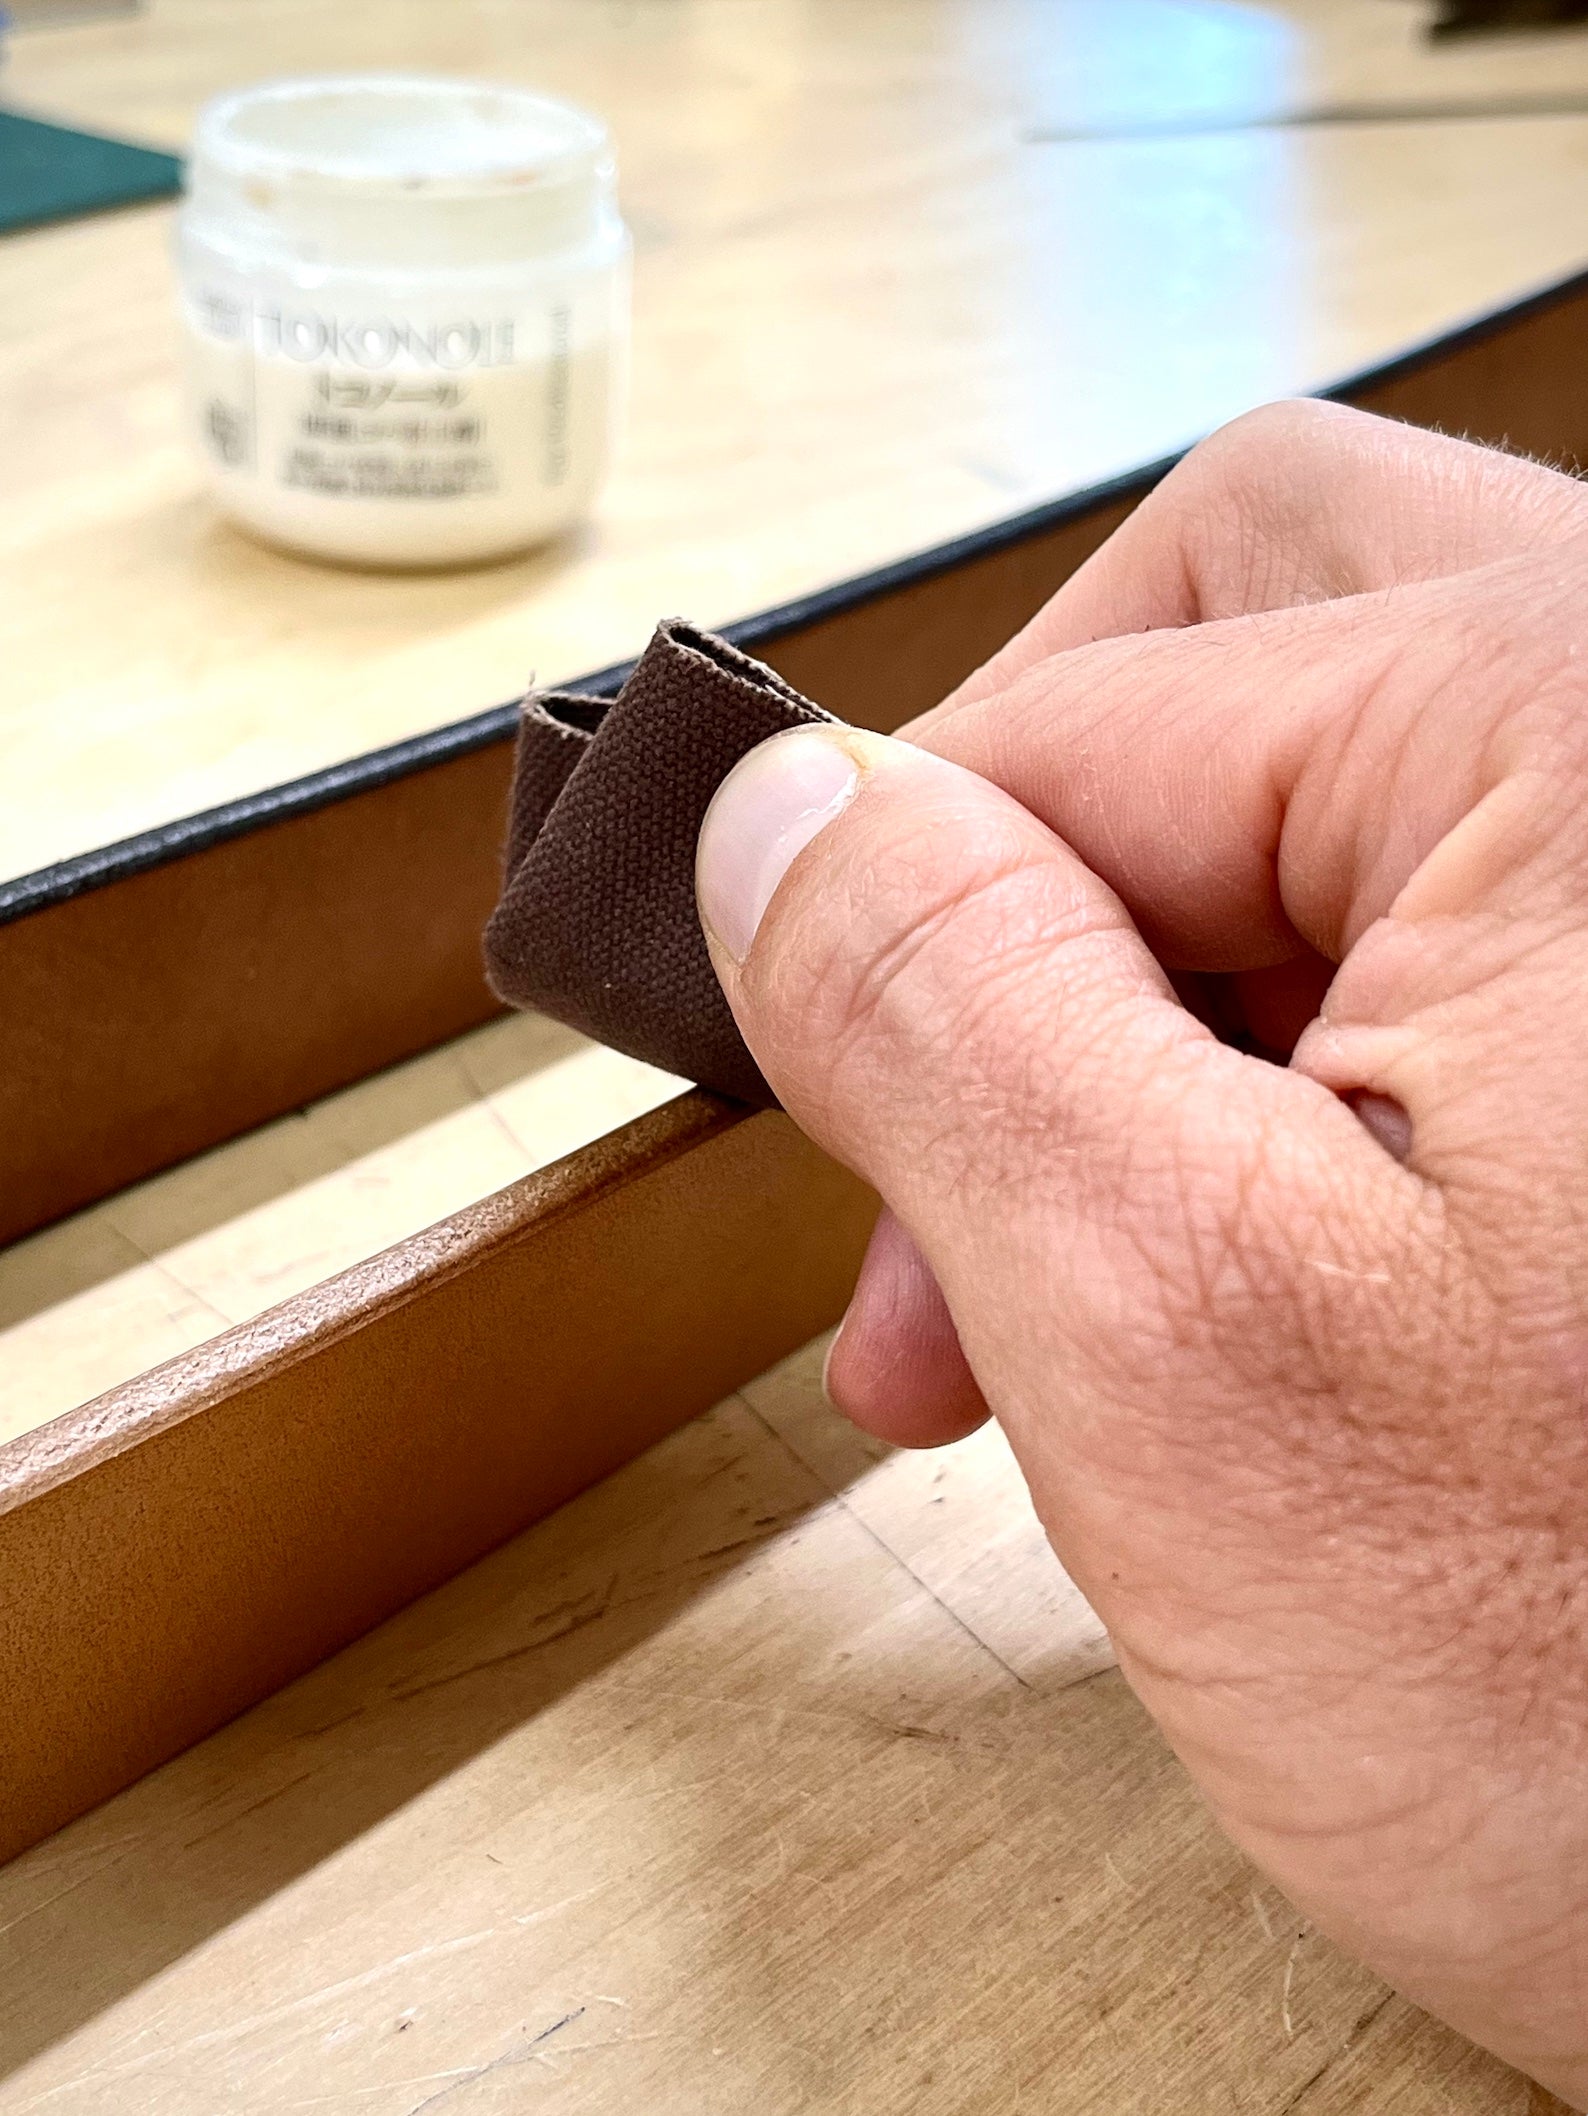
x,y
1295,503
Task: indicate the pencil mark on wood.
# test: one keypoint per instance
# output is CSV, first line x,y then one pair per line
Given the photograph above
x,y
838,1499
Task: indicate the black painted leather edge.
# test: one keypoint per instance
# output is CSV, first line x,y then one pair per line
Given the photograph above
x,y
46,887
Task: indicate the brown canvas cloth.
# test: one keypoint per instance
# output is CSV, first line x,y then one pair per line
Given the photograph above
x,y
597,923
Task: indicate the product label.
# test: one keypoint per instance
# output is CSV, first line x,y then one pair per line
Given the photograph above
x,y
401,437
296,331
493,418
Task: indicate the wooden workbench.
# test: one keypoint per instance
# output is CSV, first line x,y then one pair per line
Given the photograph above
x,y
767,1776
775,1773
882,297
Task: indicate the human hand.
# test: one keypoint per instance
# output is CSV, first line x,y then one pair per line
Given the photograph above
x,y
1294,1354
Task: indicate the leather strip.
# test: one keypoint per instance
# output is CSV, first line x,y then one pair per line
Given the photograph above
x,y
597,923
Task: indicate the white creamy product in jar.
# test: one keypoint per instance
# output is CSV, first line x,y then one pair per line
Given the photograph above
x,y
406,309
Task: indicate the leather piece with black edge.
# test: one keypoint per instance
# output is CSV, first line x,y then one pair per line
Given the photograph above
x,y
597,923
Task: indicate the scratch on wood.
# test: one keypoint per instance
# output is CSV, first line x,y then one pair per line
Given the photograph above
x,y
329,1726
1354,2035
37,1910
579,1622
521,2054
1290,1978
755,1541
253,1807
100,2074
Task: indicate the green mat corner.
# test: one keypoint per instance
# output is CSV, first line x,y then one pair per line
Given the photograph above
x,y
49,172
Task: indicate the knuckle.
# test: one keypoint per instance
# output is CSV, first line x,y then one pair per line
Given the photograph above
x,y
864,965
1249,450
1258,478
973,997
957,990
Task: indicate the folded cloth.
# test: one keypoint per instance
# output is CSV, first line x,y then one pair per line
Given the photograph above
x,y
597,923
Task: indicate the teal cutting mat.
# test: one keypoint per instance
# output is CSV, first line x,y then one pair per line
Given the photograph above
x,y
48,172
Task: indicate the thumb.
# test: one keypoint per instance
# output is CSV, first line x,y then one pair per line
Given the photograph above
x,y
881,919
953,1004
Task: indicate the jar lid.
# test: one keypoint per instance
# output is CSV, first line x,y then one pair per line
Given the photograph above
x,y
384,169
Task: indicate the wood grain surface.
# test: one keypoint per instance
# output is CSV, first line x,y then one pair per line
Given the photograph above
x,y
884,295
168,1264
776,1774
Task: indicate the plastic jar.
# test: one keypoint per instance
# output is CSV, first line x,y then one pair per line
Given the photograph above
x,y
406,310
